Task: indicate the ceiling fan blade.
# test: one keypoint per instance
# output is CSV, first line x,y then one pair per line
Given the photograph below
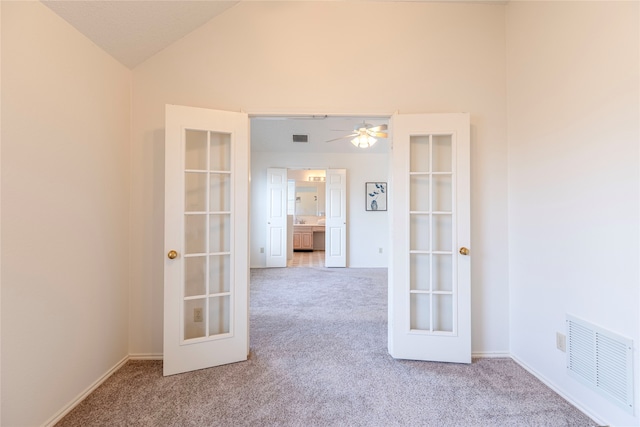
x,y
378,128
378,134
343,137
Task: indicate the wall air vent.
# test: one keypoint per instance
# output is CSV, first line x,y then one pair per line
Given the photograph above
x,y
299,138
601,360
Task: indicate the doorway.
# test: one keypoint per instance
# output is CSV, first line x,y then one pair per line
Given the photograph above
x,y
206,219
306,213
275,143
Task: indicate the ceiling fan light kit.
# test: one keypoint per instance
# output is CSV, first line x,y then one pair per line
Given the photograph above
x,y
363,141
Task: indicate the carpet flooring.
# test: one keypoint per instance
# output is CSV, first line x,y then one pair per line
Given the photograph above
x,y
319,358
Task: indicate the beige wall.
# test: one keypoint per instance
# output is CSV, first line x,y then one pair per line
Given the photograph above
x,y
65,208
573,97
367,232
302,57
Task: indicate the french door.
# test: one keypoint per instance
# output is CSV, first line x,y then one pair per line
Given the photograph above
x,y
429,273
206,238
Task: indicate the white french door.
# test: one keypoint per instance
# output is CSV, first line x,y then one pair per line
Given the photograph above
x,y
336,218
276,255
206,272
429,273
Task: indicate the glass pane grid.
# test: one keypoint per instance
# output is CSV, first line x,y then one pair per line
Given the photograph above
x,y
207,296
431,305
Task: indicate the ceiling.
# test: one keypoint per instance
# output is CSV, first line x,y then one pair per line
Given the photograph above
x,y
134,31
275,134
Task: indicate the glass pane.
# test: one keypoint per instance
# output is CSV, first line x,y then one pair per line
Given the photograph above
x,y
195,227
195,192
219,268
419,153
442,233
419,186
419,271
442,193
220,152
442,272
220,196
194,276
419,232
219,315
420,312
194,311
442,153
443,313
219,231
195,146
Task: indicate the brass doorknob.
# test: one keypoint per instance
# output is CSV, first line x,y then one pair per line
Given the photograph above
x,y
172,254
464,251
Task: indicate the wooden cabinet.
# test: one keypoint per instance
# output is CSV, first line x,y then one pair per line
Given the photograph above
x,y
302,238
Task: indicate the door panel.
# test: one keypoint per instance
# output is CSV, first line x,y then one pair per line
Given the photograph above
x,y
336,218
429,280
206,237
276,255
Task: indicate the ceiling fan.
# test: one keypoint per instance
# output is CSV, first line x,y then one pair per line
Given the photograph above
x,y
364,135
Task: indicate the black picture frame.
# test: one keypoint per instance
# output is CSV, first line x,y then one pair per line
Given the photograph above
x,y
375,196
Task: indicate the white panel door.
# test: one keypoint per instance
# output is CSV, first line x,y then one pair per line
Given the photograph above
x,y
336,218
206,273
429,274
276,217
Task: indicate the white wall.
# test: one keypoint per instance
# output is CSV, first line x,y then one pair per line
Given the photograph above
x,y
65,208
298,57
366,231
573,74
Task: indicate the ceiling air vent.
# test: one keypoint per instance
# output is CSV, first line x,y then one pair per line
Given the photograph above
x,y
300,138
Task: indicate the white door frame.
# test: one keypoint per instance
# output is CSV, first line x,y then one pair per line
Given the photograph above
x,y
343,237
263,114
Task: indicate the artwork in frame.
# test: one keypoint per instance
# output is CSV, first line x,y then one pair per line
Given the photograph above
x,y
376,196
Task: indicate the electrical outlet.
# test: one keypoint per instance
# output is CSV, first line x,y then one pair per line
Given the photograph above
x,y
561,342
197,314
261,250
379,250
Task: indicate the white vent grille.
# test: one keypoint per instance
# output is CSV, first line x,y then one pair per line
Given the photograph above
x,y
601,360
300,138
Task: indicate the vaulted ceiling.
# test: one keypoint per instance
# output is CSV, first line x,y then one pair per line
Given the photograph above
x,y
133,31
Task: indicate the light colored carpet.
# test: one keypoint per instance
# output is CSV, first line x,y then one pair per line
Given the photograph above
x,y
319,358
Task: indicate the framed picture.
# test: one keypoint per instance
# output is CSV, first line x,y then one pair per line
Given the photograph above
x,y
376,196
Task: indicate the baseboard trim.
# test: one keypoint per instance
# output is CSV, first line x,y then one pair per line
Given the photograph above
x,y
553,387
79,398
146,356
491,355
